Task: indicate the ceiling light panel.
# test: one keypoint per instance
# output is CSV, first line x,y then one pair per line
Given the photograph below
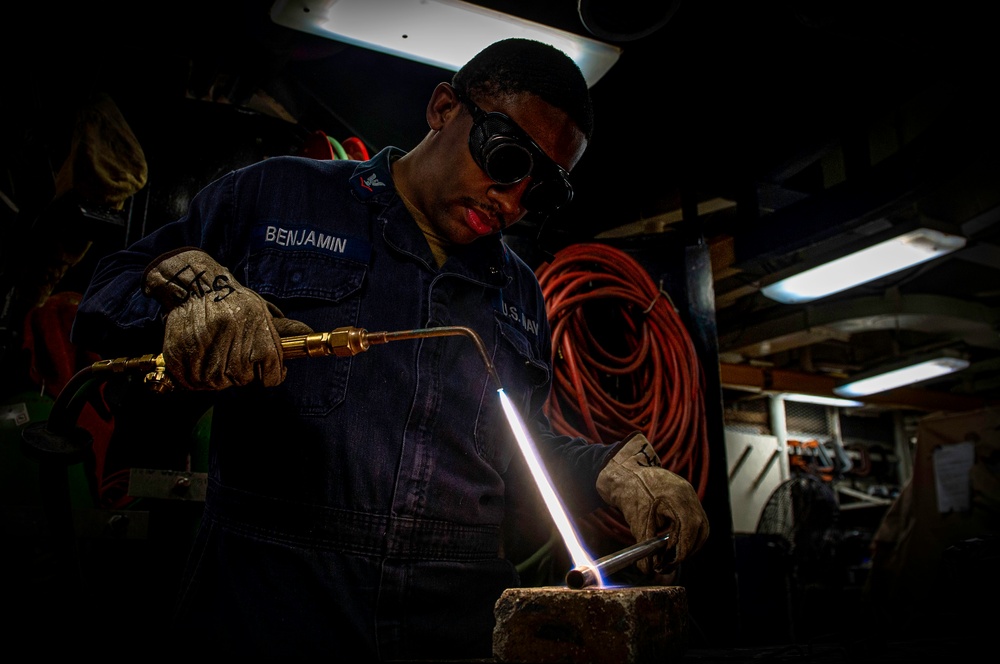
x,y
891,255
441,33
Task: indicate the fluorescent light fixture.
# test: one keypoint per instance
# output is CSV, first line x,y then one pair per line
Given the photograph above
x,y
896,253
442,33
821,401
915,370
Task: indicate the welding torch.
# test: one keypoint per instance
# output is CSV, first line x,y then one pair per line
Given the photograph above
x,y
591,575
59,437
341,342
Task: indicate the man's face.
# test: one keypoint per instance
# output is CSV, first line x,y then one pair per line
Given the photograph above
x,y
471,201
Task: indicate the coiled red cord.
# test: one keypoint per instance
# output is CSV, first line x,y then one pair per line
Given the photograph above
x,y
623,362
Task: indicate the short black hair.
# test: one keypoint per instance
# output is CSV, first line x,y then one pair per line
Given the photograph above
x,y
515,65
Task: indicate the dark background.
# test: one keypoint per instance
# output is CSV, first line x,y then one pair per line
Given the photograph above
x,y
733,140
796,126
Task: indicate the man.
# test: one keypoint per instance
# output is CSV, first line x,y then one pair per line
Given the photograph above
x,y
357,502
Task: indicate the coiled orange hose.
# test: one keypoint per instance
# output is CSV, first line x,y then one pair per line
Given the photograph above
x,y
623,361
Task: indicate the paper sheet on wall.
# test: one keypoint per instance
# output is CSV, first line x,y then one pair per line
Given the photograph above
x,y
952,465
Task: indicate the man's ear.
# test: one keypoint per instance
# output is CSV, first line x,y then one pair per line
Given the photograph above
x,y
443,105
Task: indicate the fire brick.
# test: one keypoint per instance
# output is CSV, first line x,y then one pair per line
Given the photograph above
x,y
594,625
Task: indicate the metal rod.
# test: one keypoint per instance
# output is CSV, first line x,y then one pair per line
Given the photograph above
x,y
590,575
767,466
739,462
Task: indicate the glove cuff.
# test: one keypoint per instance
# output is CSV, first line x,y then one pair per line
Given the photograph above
x,y
617,447
632,454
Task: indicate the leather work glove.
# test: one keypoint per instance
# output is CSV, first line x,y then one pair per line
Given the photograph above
x,y
218,333
654,501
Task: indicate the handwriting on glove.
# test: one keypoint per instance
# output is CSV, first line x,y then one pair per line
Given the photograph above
x,y
217,332
196,282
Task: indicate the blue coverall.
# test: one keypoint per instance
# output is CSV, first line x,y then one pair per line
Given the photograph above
x,y
356,507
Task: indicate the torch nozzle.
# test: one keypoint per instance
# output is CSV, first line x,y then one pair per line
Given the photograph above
x,y
590,575
346,341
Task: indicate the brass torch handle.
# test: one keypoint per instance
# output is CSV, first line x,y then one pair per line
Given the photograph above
x,y
342,342
154,366
123,364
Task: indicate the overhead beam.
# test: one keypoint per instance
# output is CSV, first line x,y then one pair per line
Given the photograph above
x,y
765,379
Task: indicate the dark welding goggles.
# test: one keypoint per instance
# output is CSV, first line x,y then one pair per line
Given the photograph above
x,y
508,155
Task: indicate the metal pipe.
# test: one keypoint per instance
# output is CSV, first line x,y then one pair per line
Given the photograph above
x,y
590,575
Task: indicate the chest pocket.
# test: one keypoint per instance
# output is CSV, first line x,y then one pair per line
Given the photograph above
x,y
324,293
522,373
